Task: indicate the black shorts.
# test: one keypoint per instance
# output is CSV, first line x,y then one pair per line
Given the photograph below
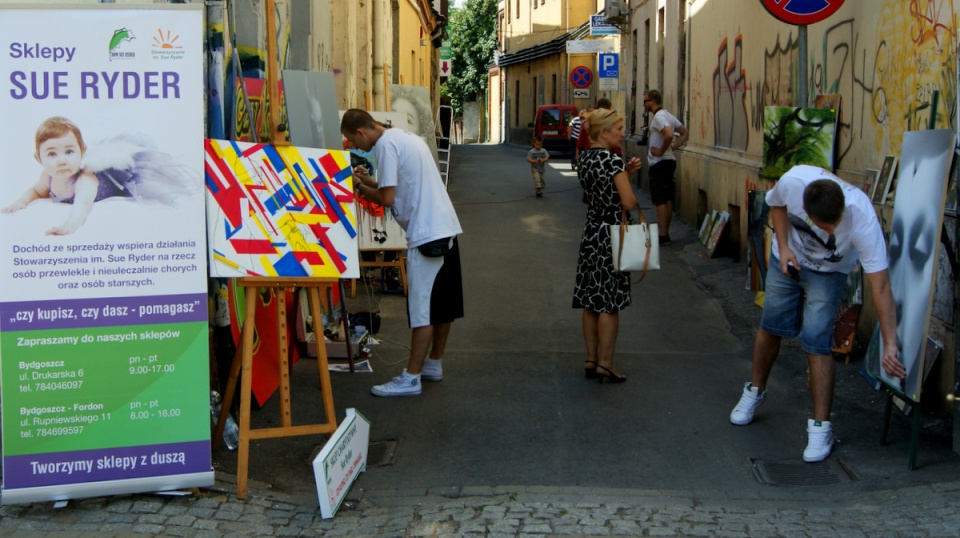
x,y
434,287
662,186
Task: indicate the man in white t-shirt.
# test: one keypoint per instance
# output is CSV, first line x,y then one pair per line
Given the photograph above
x,y
409,183
822,227
661,160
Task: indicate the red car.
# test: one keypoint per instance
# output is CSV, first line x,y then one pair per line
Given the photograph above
x,y
551,124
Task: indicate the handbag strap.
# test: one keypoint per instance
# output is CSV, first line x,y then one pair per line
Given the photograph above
x,y
623,234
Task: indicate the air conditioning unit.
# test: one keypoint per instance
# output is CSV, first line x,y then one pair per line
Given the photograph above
x,y
615,10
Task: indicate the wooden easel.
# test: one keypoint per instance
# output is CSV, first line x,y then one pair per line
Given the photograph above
x,y
379,262
243,363
243,359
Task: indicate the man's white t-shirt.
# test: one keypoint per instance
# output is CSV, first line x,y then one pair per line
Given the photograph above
x,y
858,235
421,204
661,119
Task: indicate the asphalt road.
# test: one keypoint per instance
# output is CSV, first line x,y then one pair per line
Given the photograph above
x,y
514,408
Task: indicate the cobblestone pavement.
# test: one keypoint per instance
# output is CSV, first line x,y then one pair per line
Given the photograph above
x,y
503,511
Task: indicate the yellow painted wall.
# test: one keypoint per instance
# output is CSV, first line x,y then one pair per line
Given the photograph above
x,y
494,98
531,22
413,57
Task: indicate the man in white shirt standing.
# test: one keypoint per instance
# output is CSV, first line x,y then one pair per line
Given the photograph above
x,y
661,160
409,183
822,227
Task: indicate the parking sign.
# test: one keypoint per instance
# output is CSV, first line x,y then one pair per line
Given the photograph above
x,y
609,65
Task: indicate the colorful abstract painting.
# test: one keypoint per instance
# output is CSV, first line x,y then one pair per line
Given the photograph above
x,y
280,211
257,115
793,136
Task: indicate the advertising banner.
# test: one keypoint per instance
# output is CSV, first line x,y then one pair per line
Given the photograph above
x,y
104,361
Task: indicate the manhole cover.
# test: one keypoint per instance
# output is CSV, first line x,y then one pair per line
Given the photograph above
x,y
382,452
798,473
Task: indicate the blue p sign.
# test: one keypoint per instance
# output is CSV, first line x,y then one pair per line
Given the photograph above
x,y
609,66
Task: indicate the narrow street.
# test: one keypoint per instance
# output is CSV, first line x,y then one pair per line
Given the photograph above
x,y
515,442
514,408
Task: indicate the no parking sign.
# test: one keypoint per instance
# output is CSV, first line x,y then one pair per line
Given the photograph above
x,y
800,12
581,77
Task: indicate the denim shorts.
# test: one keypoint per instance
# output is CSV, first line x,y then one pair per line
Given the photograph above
x,y
805,308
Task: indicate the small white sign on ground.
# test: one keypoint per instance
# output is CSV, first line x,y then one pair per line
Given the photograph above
x,y
342,459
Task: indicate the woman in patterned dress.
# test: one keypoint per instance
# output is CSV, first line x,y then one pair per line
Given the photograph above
x,y
600,291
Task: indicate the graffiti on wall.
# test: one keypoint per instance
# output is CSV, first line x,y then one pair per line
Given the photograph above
x,y
701,112
779,77
891,82
918,59
776,86
730,97
839,71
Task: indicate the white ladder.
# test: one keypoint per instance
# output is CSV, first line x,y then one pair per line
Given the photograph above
x,y
445,126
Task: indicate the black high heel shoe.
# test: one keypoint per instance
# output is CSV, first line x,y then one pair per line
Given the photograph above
x,y
610,375
589,372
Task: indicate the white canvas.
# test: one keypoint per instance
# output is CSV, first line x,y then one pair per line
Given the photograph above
x,y
311,99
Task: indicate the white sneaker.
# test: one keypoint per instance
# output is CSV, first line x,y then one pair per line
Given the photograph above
x,y
819,440
742,414
432,370
403,385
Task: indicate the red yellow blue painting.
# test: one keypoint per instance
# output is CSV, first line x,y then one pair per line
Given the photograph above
x,y
280,211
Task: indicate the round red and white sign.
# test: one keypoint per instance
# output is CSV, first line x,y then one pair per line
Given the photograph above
x,y
801,11
581,77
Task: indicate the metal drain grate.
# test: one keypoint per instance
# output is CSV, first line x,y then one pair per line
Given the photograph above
x,y
793,473
381,453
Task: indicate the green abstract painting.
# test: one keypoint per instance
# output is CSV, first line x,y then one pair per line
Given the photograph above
x,y
793,136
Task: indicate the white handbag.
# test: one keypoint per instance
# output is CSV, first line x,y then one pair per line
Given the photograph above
x,y
636,247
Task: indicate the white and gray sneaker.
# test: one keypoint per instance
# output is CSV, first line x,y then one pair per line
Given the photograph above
x,y
403,385
432,370
751,399
819,440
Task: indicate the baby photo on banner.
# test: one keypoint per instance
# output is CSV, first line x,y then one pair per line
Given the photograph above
x,y
104,355
280,211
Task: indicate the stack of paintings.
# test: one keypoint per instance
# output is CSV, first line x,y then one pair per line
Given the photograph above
x,y
885,187
711,231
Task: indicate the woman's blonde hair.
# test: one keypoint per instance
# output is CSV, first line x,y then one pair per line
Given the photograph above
x,y
601,119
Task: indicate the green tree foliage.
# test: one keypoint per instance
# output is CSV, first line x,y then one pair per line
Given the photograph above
x,y
473,36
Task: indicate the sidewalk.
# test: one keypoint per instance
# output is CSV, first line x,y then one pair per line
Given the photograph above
x,y
514,442
502,511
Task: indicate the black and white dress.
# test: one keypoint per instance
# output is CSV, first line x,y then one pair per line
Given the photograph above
x,y
599,288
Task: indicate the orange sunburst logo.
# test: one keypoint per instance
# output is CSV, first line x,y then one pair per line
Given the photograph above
x,y
166,41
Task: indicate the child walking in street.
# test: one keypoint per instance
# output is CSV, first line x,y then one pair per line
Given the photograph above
x,y
537,157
